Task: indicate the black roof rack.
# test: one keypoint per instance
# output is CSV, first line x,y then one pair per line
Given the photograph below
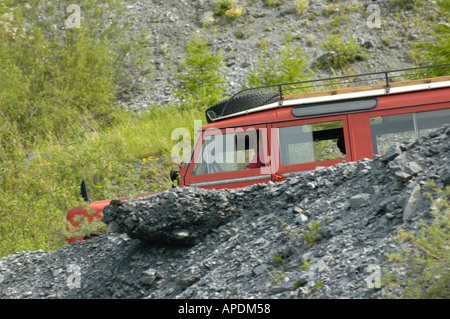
x,y
381,77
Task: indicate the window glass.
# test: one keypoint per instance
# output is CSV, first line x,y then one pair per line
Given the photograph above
x,y
389,129
229,152
311,142
404,128
431,120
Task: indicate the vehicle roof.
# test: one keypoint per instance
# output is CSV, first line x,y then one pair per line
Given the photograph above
x,y
275,112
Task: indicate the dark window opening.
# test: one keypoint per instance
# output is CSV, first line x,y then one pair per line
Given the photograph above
x,y
312,143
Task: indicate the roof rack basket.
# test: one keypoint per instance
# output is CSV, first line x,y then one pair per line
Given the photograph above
x,y
384,78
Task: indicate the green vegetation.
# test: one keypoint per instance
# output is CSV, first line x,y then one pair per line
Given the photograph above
x,y
201,81
436,50
278,275
306,264
273,3
425,259
290,66
39,184
409,4
310,234
345,52
222,6
301,6
279,259
59,123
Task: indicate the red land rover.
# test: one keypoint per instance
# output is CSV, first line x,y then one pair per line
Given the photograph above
x,y
271,133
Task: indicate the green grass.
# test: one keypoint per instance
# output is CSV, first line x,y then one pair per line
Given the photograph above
x,y
59,123
346,51
39,185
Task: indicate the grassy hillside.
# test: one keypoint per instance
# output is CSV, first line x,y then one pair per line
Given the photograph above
x,y
41,183
59,119
59,122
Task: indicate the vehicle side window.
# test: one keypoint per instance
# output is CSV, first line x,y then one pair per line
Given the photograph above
x,y
403,128
311,142
229,152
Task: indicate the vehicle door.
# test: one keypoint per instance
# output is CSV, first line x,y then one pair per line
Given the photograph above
x,y
306,144
231,158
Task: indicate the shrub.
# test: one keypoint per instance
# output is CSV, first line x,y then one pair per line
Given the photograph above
x,y
201,83
301,6
222,6
273,3
425,261
234,13
345,52
408,4
436,50
57,82
290,66
310,234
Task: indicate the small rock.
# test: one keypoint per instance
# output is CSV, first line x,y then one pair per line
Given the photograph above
x,y
359,200
280,287
148,280
392,152
258,270
300,219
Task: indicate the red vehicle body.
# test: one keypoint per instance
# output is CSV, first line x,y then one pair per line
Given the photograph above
x,y
299,132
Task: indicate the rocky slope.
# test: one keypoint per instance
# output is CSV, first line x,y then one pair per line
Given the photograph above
x,y
167,25
256,242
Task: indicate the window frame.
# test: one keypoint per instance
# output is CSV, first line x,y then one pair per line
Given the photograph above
x,y
294,169
414,120
238,177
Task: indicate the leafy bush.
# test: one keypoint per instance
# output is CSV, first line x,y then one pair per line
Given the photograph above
x,y
223,6
290,66
425,261
273,3
57,81
345,52
201,82
408,4
436,50
301,6
310,234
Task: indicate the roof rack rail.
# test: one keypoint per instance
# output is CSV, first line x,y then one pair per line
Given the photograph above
x,y
346,81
